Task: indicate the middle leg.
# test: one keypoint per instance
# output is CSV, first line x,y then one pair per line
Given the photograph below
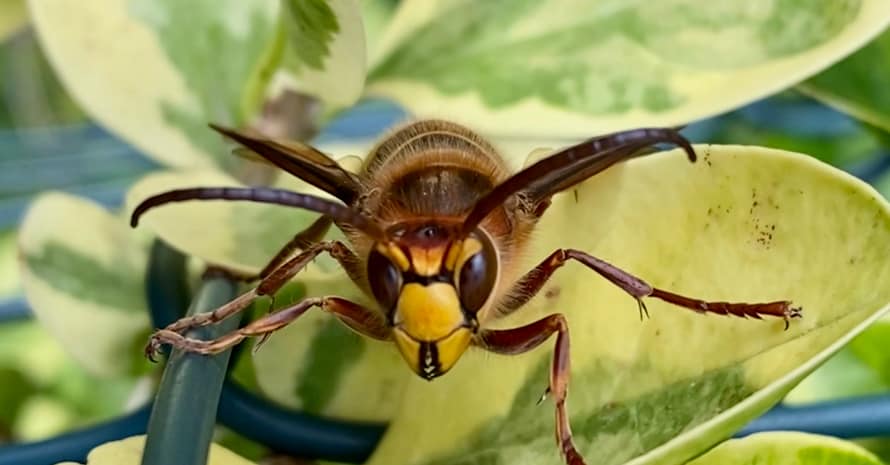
x,y
268,286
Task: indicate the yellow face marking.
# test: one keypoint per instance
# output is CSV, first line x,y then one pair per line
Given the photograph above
x,y
426,262
470,247
432,359
428,313
452,347
409,348
396,255
453,253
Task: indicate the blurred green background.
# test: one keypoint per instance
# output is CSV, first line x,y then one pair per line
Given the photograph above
x,y
48,142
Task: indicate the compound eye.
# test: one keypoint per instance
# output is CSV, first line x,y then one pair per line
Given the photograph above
x,y
477,275
385,279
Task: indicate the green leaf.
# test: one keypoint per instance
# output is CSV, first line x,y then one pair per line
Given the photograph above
x,y
310,27
13,17
376,15
59,394
574,68
129,452
883,185
843,376
247,448
43,417
325,52
840,149
160,70
41,367
224,51
861,368
39,100
858,84
787,448
318,365
14,392
83,274
871,348
9,276
877,446
743,224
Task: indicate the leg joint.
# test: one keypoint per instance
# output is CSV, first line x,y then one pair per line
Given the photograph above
x,y
559,323
559,257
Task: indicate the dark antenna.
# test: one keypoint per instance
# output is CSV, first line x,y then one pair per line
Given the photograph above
x,y
337,212
603,151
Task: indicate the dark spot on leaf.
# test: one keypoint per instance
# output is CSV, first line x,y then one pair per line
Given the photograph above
x,y
552,293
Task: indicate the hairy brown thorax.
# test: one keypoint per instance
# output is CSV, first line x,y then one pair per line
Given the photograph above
x,y
432,168
424,178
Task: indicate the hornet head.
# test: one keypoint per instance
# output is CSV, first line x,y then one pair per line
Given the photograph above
x,y
432,286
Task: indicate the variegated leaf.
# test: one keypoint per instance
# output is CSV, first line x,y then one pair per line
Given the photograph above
x,y
744,224
83,273
575,68
10,282
156,72
129,452
13,17
325,49
788,448
317,365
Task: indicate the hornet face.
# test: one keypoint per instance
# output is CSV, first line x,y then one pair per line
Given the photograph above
x,y
432,288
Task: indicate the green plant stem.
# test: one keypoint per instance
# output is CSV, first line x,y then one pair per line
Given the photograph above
x,y
181,423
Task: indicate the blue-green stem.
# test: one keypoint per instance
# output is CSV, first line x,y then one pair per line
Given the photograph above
x,y
184,414
253,416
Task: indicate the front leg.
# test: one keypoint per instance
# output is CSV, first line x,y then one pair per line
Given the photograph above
x,y
359,318
525,338
534,280
268,286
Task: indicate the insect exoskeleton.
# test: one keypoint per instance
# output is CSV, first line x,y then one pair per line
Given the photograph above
x,y
434,222
432,289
